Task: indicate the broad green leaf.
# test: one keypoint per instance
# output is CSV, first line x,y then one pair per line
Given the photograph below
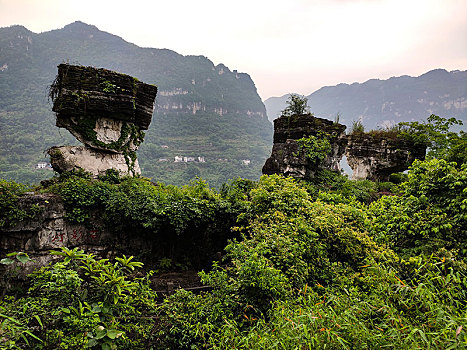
x,y
100,332
113,333
92,342
23,258
6,261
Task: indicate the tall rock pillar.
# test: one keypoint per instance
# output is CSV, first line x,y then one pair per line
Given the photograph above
x,y
292,134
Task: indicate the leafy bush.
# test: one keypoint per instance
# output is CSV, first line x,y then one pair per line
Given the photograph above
x,y
296,105
307,273
10,212
316,148
357,128
80,301
187,225
381,310
430,214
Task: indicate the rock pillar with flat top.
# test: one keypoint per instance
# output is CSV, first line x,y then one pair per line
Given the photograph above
x,y
106,111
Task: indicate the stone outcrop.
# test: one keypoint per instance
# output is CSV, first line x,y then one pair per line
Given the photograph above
x,y
107,112
288,156
373,156
50,230
68,158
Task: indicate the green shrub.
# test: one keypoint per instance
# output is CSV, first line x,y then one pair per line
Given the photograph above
x,y
10,211
80,301
430,213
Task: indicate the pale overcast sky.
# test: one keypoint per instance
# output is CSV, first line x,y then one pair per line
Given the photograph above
x,y
286,46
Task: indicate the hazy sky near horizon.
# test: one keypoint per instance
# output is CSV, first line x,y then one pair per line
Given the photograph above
x,y
286,46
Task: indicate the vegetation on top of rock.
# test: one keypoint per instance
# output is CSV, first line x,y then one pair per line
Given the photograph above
x,y
296,105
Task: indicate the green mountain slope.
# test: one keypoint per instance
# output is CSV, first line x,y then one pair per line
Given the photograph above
x,y
202,110
377,102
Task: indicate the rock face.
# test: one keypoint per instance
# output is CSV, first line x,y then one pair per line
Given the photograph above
x,y
50,230
105,110
290,158
68,158
375,157
371,156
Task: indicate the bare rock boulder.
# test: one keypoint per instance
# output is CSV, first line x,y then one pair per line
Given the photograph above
x,y
290,158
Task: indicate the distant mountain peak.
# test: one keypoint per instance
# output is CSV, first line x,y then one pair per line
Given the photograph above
x,y
439,72
16,28
379,102
80,26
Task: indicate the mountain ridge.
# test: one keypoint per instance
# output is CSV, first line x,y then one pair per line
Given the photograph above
x,y
382,101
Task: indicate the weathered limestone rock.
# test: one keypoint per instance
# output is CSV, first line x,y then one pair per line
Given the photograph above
x,y
105,110
375,157
49,230
288,157
372,156
97,92
96,162
109,135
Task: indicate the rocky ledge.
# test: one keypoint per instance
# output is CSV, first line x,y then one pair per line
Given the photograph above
x,y
375,157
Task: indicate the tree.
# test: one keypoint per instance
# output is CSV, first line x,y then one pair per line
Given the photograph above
x,y
296,105
442,143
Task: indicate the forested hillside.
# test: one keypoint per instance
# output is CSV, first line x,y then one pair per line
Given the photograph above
x,y
380,102
202,110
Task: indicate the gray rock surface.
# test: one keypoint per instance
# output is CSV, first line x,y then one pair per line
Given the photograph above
x,y
96,162
49,230
376,157
371,156
289,159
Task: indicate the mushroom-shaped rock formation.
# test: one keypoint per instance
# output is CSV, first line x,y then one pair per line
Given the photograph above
x,y
105,110
298,140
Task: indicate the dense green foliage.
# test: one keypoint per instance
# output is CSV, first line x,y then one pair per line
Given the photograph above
x,y
81,302
333,264
436,132
11,213
316,148
187,225
429,214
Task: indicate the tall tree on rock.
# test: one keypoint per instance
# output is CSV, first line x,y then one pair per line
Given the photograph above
x,y
296,105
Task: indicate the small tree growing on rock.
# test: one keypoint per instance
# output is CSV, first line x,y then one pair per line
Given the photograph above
x,y
296,105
